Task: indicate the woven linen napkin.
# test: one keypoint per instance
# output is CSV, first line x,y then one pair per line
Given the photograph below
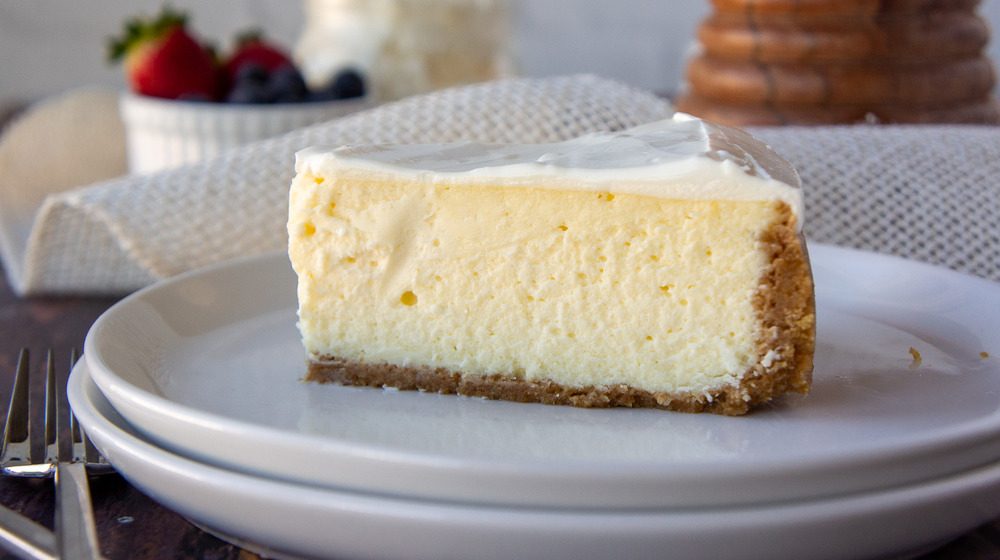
x,y
924,192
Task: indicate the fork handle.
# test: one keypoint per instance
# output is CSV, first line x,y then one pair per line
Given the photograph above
x,y
76,530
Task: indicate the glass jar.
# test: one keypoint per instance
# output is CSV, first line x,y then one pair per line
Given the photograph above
x,y
405,47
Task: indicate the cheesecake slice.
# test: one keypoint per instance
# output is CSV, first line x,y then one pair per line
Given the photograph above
x,y
662,266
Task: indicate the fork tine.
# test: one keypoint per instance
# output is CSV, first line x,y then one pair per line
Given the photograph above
x,y
83,448
51,411
16,445
19,455
79,445
79,454
98,463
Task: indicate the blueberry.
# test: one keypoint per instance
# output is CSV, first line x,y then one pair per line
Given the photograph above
x,y
250,72
250,93
287,85
346,84
321,95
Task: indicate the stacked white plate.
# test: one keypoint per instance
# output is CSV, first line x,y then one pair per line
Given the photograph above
x,y
192,389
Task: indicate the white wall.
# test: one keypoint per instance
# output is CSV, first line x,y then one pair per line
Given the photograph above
x,y
642,42
47,46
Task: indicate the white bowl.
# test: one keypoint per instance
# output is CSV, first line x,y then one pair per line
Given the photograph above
x,y
165,133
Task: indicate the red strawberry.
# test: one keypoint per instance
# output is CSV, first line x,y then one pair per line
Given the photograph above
x,y
252,48
163,60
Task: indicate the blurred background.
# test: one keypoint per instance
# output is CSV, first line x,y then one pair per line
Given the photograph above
x,y
50,46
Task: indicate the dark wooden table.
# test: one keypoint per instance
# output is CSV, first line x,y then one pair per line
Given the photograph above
x,y
130,525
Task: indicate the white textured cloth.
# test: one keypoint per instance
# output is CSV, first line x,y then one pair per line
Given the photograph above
x,y
930,193
924,192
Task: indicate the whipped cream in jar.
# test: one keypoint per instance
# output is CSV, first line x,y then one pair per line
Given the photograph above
x,y
406,47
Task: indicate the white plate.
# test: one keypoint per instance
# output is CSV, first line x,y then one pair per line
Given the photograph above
x,y
282,518
208,365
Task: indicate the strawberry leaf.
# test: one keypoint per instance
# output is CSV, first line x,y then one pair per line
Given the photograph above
x,y
138,30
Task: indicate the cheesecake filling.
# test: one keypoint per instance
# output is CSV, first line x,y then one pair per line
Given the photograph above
x,y
663,266
583,289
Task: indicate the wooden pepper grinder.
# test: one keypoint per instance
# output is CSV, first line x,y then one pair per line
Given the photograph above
x,y
812,62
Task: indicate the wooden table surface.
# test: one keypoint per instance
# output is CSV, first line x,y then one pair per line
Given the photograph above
x,y
130,525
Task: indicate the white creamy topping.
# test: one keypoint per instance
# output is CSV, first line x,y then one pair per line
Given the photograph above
x,y
681,158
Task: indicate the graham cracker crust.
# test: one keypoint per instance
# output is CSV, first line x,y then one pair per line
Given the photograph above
x,y
785,347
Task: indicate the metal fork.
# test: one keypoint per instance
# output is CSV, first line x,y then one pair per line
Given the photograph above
x,y
76,533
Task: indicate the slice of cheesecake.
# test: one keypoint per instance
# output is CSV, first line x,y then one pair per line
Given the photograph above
x,y
662,266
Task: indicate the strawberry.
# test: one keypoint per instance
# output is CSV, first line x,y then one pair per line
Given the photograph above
x,y
252,48
162,59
